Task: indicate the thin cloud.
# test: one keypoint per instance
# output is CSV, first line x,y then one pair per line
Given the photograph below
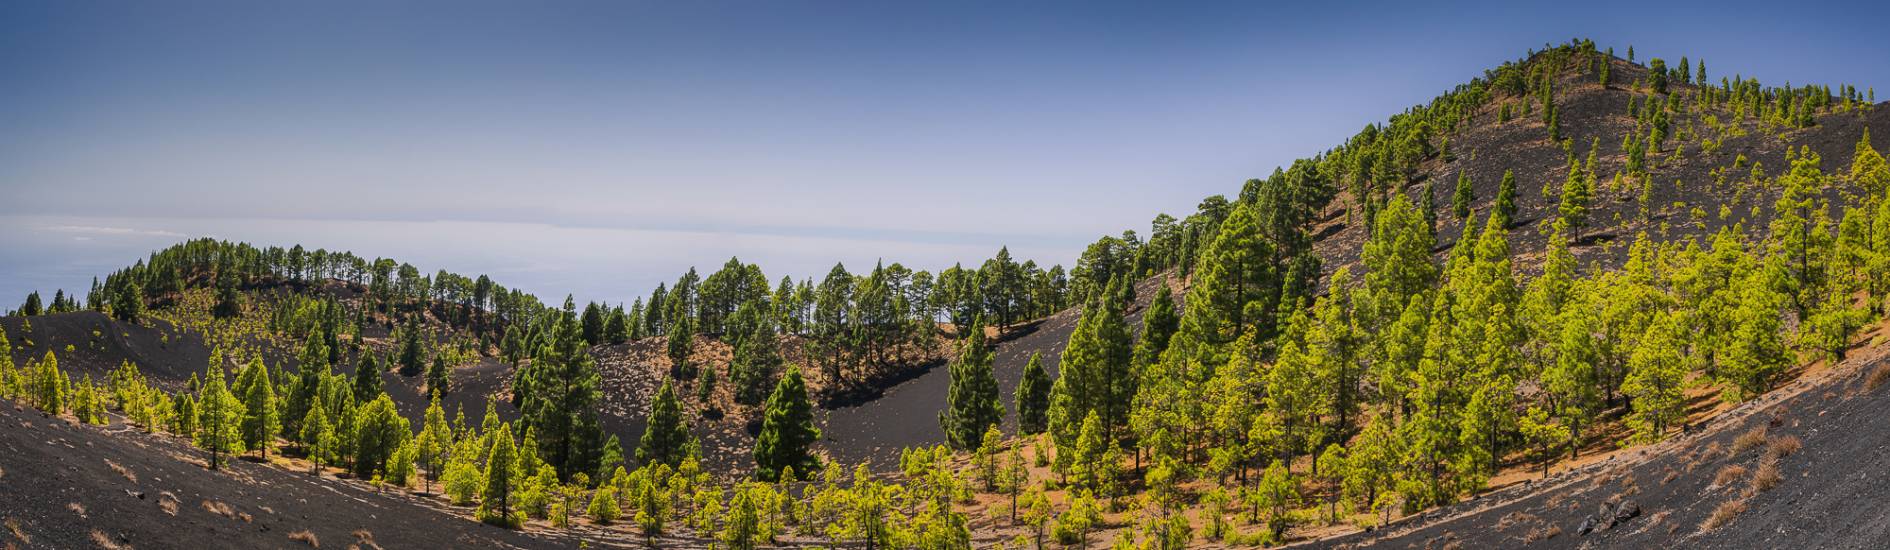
x,y
106,230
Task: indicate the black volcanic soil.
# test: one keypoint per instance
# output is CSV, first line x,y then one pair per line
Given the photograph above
x,y
68,486
163,353
1831,492
907,416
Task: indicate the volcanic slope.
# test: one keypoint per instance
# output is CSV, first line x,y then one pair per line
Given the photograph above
x,y
75,486
1801,467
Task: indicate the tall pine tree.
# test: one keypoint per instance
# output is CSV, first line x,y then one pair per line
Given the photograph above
x,y
787,429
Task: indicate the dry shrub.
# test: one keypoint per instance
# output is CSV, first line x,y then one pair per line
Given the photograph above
x,y
167,502
13,526
1629,488
106,542
1723,515
1782,446
1766,477
1610,476
306,537
219,508
1542,533
1514,518
1729,475
123,471
1750,440
1672,474
1706,455
1878,377
76,508
363,540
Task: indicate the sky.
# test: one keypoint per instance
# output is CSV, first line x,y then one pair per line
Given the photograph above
x,y
598,148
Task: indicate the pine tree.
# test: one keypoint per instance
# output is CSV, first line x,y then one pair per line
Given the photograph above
x,y
560,397
1656,379
1542,433
1159,323
261,418
318,438
413,351
219,418
756,365
1657,73
1337,344
439,376
89,407
1238,277
617,328
1427,204
604,508
666,438
379,432
680,344
972,402
1460,201
593,324
306,388
787,429
1397,259
367,379
1577,190
1277,491
1868,168
1506,199
435,442
612,455
743,525
1033,398
502,482
1755,355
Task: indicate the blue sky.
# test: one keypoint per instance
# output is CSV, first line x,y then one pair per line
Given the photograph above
x,y
598,148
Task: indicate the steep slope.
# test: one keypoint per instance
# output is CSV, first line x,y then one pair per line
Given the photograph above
x,y
1825,433
73,486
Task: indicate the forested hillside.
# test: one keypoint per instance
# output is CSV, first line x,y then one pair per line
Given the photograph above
x,y
1576,253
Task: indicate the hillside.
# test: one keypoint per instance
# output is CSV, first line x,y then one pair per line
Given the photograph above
x,y
1577,282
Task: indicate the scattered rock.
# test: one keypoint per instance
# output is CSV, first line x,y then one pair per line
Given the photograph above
x,y
1626,511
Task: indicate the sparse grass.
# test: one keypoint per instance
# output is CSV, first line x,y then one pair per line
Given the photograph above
x,y
219,508
167,502
1610,476
1878,377
104,541
1704,456
1671,475
76,508
1542,533
1724,514
1515,518
1729,475
1765,478
306,537
1750,440
13,526
123,471
363,540
1782,446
